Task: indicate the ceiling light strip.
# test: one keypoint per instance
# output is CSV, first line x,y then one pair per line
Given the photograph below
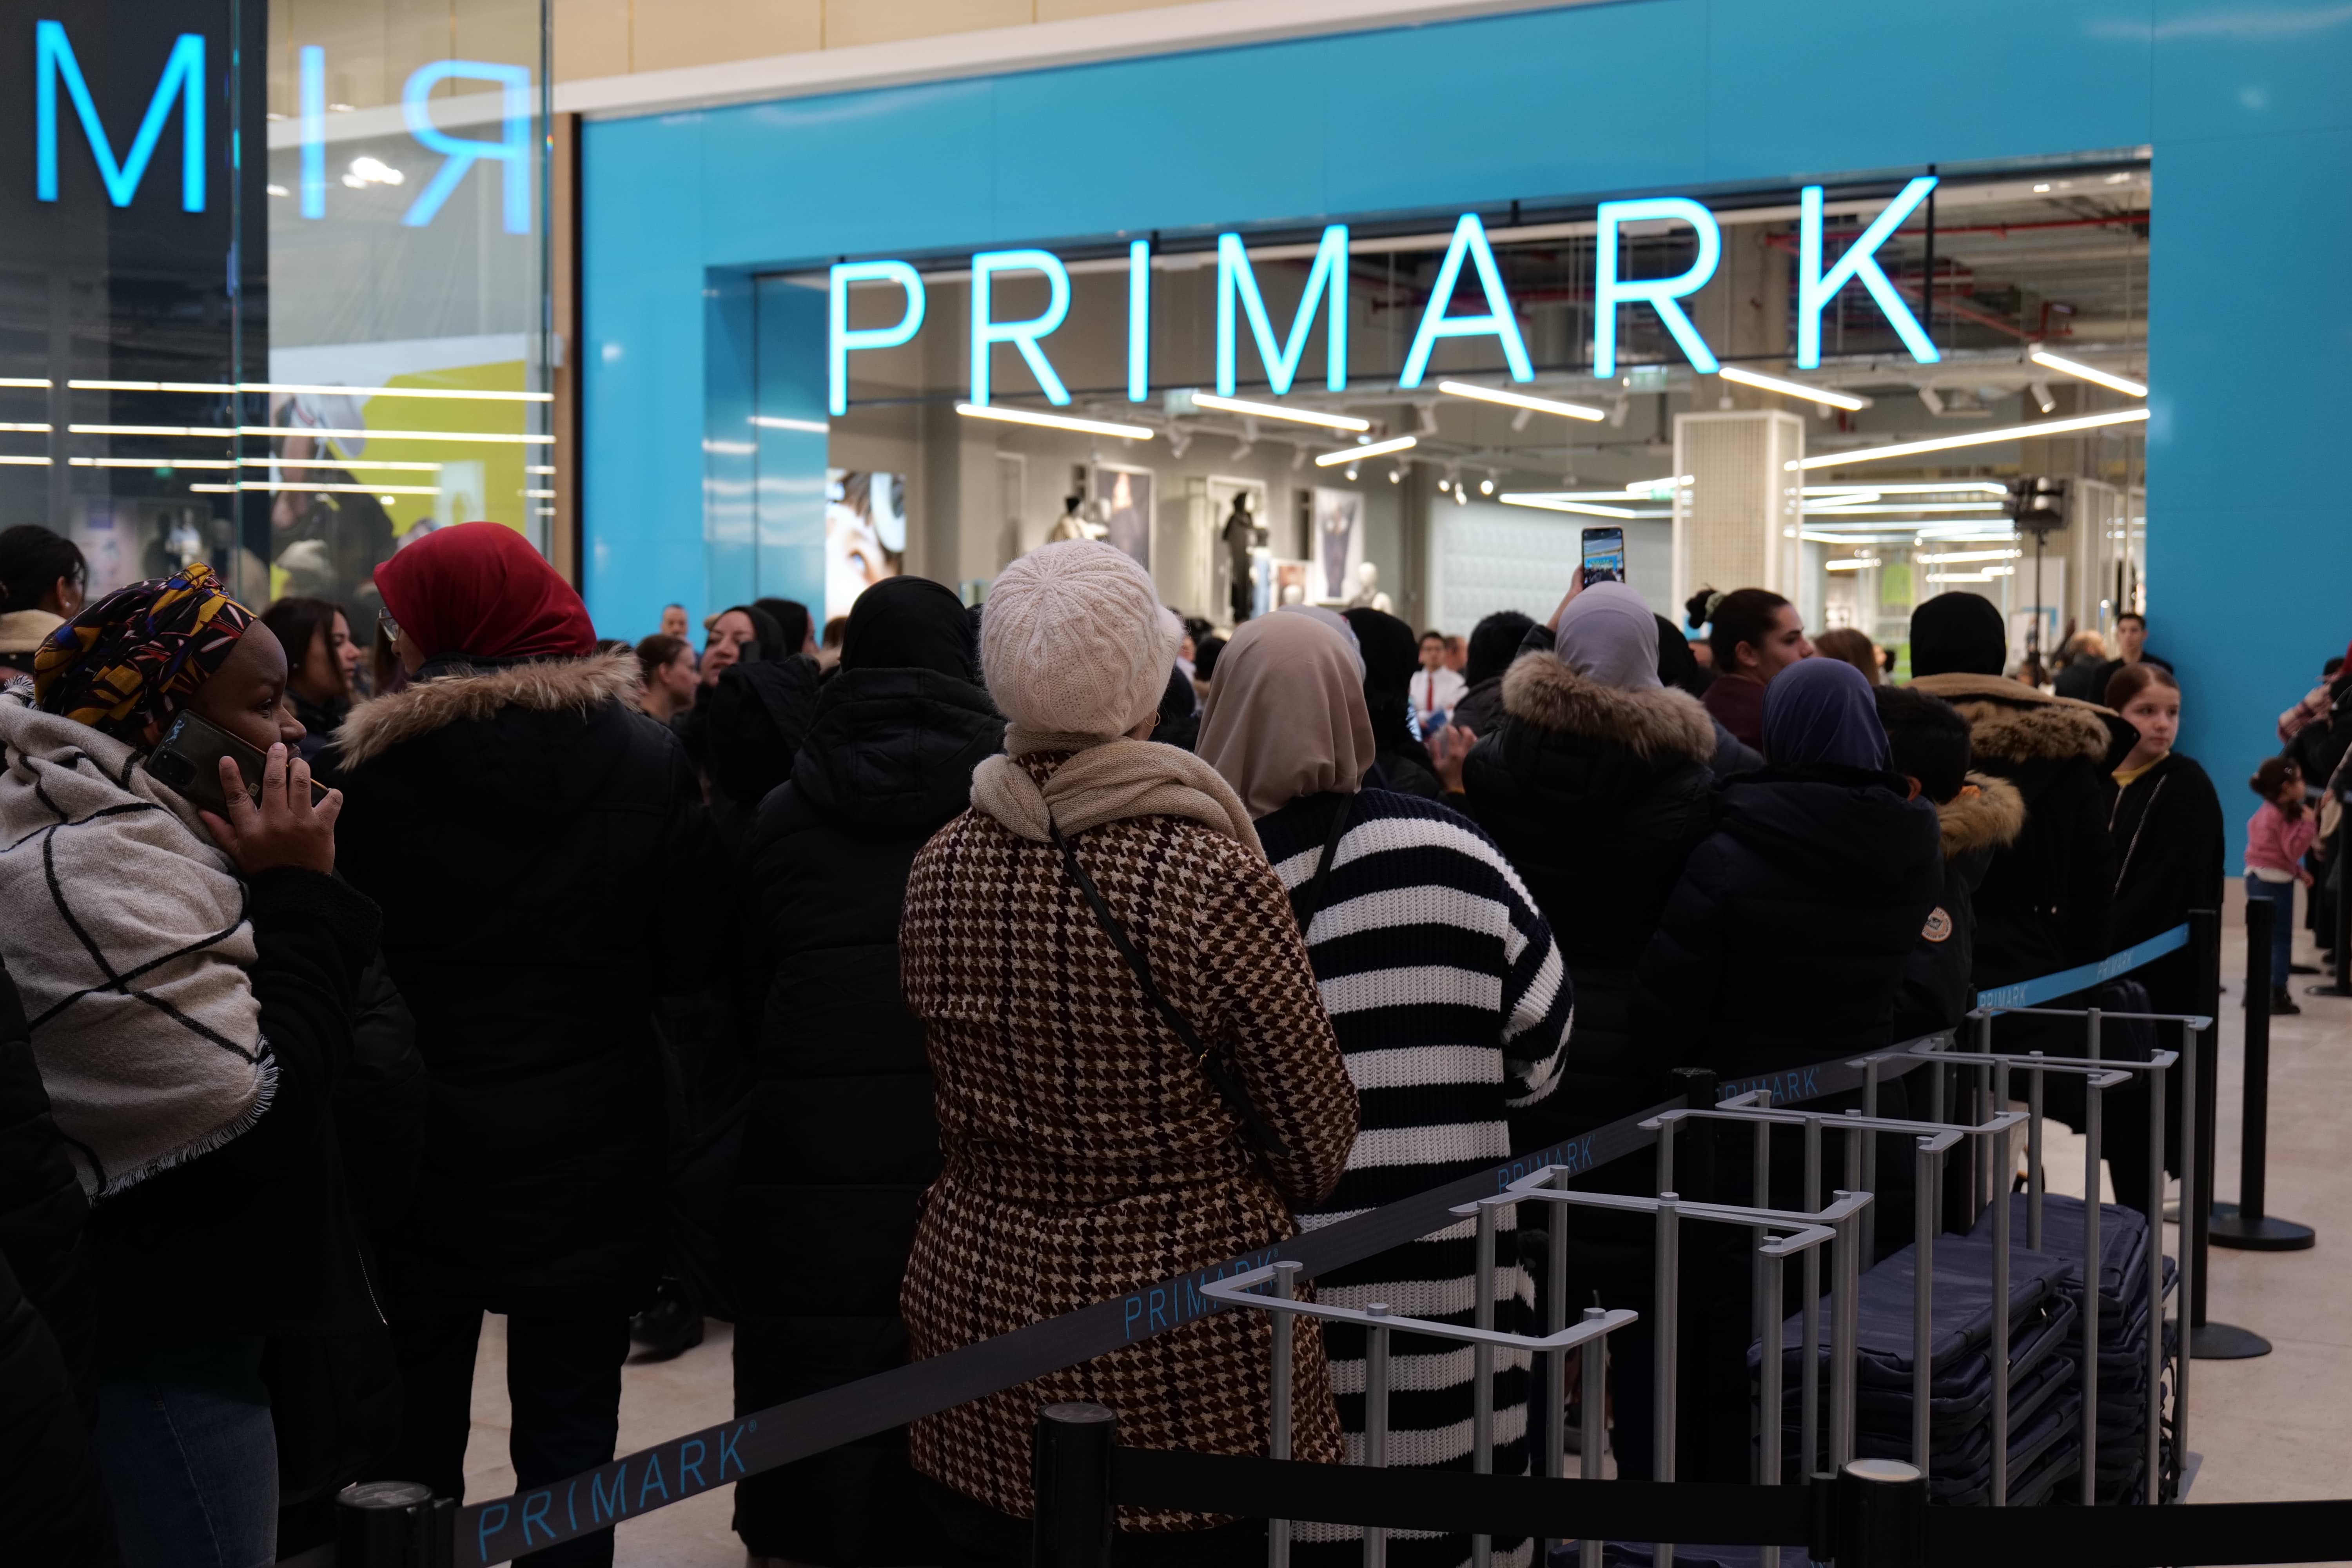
x,y
1979,439
338,489
1055,421
1276,411
222,388
1370,450
1521,400
1822,394
2128,387
1583,508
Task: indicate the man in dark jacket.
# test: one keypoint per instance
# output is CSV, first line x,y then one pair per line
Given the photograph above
x,y
841,1141
2043,903
1494,643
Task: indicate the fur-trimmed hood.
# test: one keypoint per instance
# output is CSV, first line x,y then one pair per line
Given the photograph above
x,y
1651,722
2012,722
1988,815
544,686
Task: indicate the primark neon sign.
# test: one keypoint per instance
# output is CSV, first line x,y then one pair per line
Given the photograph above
x,y
1240,302
54,67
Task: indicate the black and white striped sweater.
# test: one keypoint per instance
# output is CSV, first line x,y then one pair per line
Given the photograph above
x,y
1452,1007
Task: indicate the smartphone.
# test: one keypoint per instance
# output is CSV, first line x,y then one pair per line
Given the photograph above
x,y
188,760
1604,555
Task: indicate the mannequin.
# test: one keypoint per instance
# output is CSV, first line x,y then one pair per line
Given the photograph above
x,y
1242,538
1073,525
1368,594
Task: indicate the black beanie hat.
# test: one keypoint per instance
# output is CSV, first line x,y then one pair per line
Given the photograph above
x,y
1959,633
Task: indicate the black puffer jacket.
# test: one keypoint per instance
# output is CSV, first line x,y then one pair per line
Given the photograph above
x,y
842,1141
1786,941
49,1492
1597,795
756,715
2170,842
2045,902
1983,819
516,822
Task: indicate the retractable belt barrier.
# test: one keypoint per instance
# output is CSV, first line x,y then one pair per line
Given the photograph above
x,y
1724,1514
502,1527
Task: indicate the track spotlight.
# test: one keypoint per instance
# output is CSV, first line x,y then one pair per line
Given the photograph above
x,y
1348,472
1520,420
1426,416
1932,399
1396,474
1617,412
2043,395
1244,448
1180,439
1486,484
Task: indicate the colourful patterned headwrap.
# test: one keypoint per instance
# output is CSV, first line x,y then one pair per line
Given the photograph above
x,y
129,662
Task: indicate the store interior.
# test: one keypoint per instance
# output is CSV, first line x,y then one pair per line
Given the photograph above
x,y
2031,284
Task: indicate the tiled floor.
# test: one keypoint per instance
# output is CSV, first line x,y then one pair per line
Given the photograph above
x,y
2275,1427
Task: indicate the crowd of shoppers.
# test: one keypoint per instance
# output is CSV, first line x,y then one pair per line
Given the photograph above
x,y
1020,957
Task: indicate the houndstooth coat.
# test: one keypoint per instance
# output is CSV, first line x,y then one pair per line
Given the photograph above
x,y
1084,1153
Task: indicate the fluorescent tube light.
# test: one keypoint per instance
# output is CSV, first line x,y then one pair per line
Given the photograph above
x,y
1848,565
1368,449
340,489
1943,555
1583,508
1521,400
1843,498
1902,509
1667,482
1872,492
778,422
217,388
2076,368
1276,411
1974,439
1846,400
1809,536
1055,421
154,463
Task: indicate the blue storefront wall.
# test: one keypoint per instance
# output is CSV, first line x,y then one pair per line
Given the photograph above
x,y
2250,540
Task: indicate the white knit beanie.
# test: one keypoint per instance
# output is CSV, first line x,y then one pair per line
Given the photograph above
x,y
1074,641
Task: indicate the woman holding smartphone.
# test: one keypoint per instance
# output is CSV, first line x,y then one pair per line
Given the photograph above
x,y
191,977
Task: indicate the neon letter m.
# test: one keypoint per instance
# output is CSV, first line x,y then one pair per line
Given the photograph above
x,y
185,71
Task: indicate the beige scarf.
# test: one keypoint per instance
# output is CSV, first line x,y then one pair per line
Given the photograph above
x,y
1107,782
125,932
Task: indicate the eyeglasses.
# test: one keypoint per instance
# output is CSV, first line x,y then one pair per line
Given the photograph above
x,y
388,629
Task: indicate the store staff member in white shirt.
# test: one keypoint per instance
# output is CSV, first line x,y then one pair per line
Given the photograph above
x,y
1436,688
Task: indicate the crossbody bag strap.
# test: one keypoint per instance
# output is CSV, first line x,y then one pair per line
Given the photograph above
x,y
1220,1076
1319,888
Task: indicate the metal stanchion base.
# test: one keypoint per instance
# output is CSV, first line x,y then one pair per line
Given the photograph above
x,y
2328,990
2267,1234
2226,1341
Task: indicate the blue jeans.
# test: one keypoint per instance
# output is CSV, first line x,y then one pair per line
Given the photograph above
x,y
2281,898
190,1473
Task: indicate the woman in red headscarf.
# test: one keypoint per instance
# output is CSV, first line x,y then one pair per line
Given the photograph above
x,y
513,812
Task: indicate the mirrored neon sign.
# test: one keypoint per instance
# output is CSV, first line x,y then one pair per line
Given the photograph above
x,y
54,65
1241,304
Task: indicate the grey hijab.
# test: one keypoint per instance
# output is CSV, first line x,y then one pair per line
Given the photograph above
x,y
1608,634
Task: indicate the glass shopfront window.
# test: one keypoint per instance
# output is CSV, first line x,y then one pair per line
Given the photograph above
x,y
277,297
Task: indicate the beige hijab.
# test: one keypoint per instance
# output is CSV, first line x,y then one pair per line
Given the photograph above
x,y
1108,783
1286,715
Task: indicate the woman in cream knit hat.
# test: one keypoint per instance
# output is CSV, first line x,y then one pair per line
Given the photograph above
x,y
1085,1150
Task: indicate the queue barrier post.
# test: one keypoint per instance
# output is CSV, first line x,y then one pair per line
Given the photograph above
x,y
395,1524
1882,1515
2207,1340
1070,1460
2247,1225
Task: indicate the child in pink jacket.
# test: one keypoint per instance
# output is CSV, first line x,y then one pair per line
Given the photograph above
x,y
2277,838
